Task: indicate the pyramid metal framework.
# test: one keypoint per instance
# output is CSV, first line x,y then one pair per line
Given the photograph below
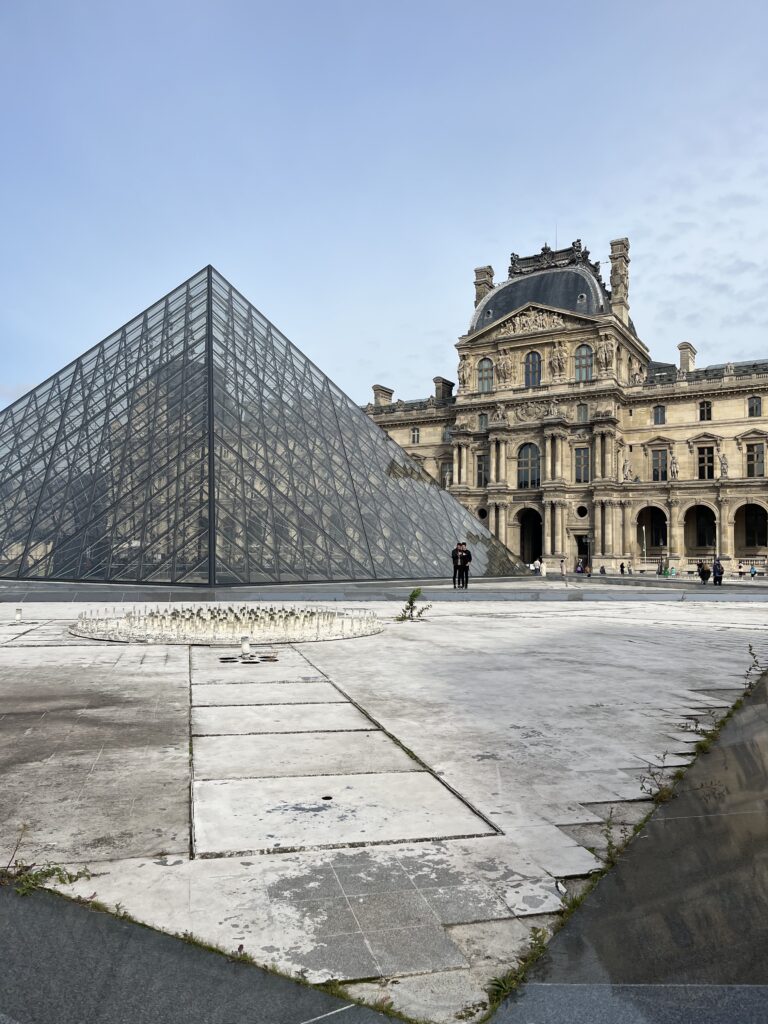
x,y
197,445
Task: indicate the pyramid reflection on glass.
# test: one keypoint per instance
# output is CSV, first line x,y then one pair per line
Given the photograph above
x,y
198,445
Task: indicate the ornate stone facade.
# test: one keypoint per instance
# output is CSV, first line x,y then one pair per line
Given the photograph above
x,y
571,442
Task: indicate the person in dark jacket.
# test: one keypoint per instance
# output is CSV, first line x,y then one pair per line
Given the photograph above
x,y
465,557
455,559
717,573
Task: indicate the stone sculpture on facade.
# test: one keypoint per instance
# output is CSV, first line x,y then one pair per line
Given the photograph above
x,y
605,353
530,321
674,467
557,360
626,470
505,368
499,414
723,467
463,373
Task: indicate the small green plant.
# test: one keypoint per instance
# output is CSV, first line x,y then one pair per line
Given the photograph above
x,y
503,986
28,877
655,782
410,613
613,849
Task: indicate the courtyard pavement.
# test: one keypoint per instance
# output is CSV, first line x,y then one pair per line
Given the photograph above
x,y
397,812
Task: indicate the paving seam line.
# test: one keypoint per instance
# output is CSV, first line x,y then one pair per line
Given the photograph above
x,y
470,806
325,1016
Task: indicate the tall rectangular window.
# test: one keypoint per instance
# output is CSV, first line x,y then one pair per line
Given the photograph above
x,y
415,435
755,460
659,463
707,463
483,470
581,459
705,410
659,415
446,474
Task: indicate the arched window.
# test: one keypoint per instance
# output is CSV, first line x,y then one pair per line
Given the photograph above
x,y
705,410
755,406
583,362
532,370
415,435
528,474
659,415
582,412
482,421
485,375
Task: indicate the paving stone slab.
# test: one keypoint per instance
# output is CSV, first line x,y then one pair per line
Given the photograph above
x,y
268,814
414,950
266,718
209,695
305,753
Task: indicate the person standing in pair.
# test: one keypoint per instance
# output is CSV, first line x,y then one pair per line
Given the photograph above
x,y
465,557
455,558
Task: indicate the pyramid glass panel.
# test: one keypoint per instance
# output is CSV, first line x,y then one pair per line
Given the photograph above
x,y
197,445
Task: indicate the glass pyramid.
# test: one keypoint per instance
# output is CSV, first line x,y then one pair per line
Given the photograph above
x,y
198,445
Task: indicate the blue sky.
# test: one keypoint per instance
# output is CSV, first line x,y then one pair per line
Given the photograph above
x,y
347,164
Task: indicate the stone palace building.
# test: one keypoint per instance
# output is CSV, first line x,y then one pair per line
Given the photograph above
x,y
570,442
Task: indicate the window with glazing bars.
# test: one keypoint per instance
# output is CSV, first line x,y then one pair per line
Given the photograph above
x,y
582,362
485,375
483,470
415,435
528,463
706,463
755,460
705,410
581,461
659,463
659,415
755,406
532,370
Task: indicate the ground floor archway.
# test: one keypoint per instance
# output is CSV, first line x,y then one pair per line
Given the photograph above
x,y
750,532
700,532
652,532
530,534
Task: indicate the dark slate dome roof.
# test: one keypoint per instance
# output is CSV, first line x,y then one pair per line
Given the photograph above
x,y
574,288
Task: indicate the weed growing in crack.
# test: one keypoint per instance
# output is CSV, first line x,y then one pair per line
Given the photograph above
x,y
410,612
503,986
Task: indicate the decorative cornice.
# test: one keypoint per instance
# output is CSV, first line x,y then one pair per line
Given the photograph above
x,y
574,255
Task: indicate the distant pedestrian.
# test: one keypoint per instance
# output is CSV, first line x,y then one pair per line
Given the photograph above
x,y
536,567
621,568
717,573
602,570
562,567
542,568
706,572
741,569
752,572
465,558
629,568
455,559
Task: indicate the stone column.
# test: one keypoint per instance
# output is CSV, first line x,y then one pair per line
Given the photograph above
x,y
503,524
492,450
608,528
563,540
546,538
626,518
596,474
556,514
558,457
514,536
725,530
502,462
597,548
545,474
456,456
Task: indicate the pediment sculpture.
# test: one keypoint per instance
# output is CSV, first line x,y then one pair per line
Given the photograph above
x,y
530,321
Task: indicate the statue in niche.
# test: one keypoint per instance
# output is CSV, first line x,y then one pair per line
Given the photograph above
x,y
463,373
605,353
499,414
674,467
723,467
505,368
626,470
557,360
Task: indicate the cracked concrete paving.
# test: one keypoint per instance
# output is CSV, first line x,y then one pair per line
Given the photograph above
x,y
541,722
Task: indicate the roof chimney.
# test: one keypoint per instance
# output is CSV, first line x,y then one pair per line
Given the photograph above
x,y
620,278
483,283
443,388
382,395
687,356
